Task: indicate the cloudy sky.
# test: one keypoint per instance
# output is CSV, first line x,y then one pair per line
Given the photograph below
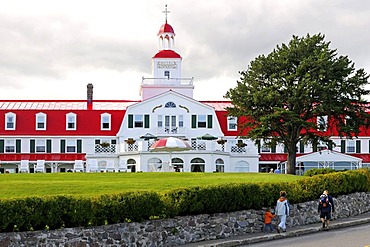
x,y
52,49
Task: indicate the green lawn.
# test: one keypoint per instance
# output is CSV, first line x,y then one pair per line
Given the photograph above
x,y
91,184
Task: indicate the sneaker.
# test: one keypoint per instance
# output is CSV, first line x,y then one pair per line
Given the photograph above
x,y
284,230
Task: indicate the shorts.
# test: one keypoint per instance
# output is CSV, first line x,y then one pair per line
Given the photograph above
x,y
325,215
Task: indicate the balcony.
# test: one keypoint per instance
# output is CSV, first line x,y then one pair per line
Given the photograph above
x,y
110,149
168,81
144,145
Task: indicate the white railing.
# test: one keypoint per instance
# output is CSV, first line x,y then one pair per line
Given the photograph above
x,y
102,149
168,81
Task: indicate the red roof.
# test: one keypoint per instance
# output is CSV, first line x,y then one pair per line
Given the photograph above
x,y
63,104
167,54
166,28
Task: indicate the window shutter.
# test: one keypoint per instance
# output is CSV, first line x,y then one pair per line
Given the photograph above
x,y
285,149
343,146
259,146
48,146
79,146
314,146
130,121
18,143
358,146
301,147
2,146
193,121
209,121
62,146
32,146
146,121
273,148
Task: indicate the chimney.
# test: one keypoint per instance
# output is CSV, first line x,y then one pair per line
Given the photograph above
x,y
90,96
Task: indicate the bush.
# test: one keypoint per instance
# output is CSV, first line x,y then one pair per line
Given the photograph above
x,y
38,213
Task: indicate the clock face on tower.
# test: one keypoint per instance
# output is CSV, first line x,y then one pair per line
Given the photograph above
x,y
167,65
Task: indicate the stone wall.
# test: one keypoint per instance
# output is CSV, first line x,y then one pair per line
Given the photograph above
x,y
181,230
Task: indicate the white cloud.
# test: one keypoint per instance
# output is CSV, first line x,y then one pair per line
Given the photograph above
x,y
52,49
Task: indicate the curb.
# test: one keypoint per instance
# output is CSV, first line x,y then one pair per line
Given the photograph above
x,y
293,233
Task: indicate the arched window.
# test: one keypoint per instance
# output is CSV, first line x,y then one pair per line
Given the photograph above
x,y
71,121
242,166
154,165
131,165
220,167
40,121
170,105
197,165
105,121
10,118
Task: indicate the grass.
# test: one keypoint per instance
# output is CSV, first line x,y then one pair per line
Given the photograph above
x,y
94,184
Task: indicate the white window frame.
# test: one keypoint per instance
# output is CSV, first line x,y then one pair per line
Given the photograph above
x,y
138,120
202,120
13,117
351,146
160,121
232,123
105,119
265,148
9,146
181,121
71,118
71,146
40,146
40,119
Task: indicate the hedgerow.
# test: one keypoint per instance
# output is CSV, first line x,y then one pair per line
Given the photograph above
x,y
38,213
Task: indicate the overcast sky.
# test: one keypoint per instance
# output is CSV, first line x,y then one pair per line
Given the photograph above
x,y
52,49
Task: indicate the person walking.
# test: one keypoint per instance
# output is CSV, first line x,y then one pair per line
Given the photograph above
x,y
282,211
325,208
268,218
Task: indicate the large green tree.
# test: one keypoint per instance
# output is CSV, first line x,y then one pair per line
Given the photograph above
x,y
281,95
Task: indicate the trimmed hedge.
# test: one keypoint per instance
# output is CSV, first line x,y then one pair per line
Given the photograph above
x,y
36,213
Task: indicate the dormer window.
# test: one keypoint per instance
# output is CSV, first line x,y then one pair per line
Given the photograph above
x,y
322,123
10,121
40,121
71,121
105,121
232,123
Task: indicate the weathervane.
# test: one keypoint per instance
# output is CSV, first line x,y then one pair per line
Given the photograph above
x,y
166,12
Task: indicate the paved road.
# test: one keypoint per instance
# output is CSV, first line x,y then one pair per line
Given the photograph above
x,y
355,236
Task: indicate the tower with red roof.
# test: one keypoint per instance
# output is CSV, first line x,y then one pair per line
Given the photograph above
x,y
166,67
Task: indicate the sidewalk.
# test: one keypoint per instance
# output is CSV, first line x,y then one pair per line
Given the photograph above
x,y
291,232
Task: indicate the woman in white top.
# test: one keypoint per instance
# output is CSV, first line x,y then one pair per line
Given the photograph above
x,y
282,211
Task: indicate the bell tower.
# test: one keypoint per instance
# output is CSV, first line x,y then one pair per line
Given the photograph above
x,y
166,67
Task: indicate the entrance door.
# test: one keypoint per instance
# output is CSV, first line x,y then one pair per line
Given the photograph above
x,y
170,124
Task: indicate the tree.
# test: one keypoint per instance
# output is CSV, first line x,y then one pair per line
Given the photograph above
x,y
282,95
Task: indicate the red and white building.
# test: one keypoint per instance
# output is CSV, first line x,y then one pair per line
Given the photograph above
x,y
115,135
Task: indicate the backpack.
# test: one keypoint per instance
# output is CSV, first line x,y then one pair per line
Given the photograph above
x,y
324,201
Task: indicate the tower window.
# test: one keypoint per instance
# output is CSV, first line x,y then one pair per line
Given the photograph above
x,y
167,74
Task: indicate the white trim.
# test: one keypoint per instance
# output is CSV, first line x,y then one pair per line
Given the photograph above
x,y
74,116
102,118
10,114
40,114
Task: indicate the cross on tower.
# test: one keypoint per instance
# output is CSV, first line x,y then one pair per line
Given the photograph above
x,y
166,12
